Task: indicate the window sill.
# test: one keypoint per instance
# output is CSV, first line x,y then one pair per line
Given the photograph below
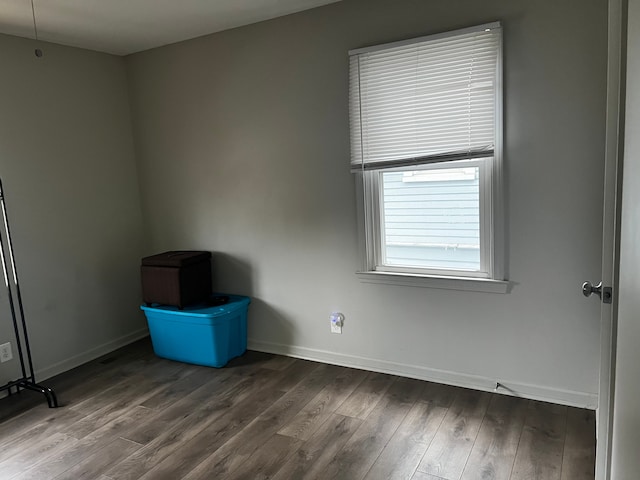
x,y
432,281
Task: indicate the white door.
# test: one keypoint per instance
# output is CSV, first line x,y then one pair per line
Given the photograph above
x,y
625,445
615,124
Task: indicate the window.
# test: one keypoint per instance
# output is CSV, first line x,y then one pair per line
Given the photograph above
x,y
426,125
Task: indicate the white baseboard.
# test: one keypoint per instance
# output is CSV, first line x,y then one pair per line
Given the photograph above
x,y
516,389
92,354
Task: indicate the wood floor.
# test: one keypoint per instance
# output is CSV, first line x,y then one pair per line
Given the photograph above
x,y
131,415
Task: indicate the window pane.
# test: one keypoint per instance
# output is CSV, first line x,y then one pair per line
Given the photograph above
x,y
432,218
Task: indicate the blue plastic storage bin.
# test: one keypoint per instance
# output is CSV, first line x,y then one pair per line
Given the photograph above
x,y
200,334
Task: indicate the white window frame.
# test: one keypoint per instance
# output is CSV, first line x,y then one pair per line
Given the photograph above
x,y
491,277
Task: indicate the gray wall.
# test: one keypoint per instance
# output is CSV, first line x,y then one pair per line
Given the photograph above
x,y
242,145
69,175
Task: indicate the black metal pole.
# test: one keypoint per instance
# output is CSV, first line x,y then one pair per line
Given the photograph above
x,y
11,305
26,382
14,270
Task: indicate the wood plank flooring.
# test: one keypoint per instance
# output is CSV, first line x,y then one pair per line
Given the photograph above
x,y
130,415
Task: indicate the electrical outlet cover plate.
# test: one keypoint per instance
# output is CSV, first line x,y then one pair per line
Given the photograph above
x,y
336,321
5,352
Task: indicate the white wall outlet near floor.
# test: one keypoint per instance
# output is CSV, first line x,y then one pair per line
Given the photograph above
x,y
336,320
5,352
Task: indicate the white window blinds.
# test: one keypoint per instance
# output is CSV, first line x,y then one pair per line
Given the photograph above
x,y
426,100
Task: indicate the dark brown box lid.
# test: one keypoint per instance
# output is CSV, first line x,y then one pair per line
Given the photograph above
x,y
177,258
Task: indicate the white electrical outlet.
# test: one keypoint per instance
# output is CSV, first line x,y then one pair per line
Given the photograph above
x,y
336,320
5,352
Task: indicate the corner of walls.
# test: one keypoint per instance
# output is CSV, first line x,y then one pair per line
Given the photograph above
x,y
69,174
242,142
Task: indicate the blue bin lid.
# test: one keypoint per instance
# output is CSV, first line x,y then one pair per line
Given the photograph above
x,y
202,309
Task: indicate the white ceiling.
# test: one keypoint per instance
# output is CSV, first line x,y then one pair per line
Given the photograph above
x,y
122,27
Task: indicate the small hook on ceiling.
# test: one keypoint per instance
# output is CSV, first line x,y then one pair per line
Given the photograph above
x,y
37,51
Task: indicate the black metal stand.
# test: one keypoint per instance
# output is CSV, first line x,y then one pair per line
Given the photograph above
x,y
28,381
